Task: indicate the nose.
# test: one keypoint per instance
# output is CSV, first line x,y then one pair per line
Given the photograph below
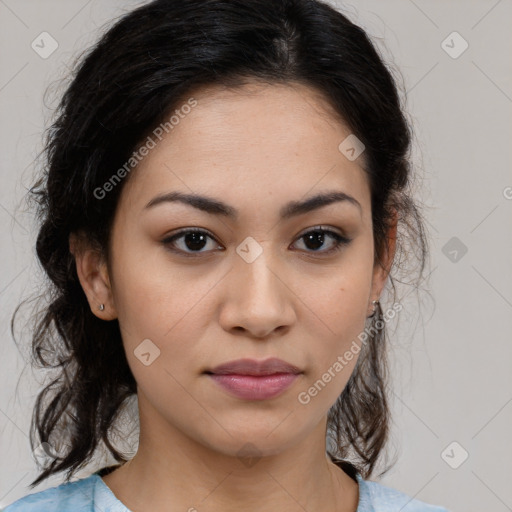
x,y
259,297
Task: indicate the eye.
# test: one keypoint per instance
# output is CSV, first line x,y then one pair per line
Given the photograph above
x,y
316,238
191,242
192,239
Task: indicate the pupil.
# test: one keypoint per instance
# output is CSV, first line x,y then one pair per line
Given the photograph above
x,y
317,237
195,241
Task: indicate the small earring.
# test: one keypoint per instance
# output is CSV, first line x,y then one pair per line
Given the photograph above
x,y
101,307
375,303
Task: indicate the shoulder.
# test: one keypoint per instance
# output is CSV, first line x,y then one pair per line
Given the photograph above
x,y
76,496
375,497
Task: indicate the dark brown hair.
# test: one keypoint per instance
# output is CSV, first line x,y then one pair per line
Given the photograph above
x,y
121,89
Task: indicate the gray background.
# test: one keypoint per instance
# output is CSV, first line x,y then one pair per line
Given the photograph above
x,y
452,365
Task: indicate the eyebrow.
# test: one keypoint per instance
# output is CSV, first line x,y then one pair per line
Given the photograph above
x,y
291,209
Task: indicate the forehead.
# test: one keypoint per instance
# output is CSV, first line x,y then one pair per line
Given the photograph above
x,y
257,139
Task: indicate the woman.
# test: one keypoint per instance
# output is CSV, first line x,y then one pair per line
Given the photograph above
x,y
226,197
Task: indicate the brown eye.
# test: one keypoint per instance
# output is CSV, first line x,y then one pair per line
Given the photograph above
x,y
317,238
189,241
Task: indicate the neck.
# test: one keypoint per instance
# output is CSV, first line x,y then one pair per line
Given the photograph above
x,y
195,478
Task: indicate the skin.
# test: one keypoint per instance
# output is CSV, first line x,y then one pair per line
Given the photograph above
x,y
255,148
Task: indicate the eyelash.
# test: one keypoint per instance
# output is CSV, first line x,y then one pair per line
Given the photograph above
x,y
340,241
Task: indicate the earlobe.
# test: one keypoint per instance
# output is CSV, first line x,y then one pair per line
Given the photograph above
x,y
92,272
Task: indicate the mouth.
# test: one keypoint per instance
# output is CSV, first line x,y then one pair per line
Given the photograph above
x,y
253,367
249,379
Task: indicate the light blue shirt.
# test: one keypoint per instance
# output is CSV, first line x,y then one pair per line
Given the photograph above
x,y
92,494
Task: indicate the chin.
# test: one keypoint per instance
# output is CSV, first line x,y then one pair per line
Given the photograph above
x,y
253,443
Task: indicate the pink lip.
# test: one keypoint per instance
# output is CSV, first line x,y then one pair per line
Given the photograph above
x,y
255,380
251,387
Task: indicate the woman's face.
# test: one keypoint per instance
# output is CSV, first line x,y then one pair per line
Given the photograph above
x,y
253,286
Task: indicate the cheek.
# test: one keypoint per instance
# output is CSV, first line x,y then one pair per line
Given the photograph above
x,y
151,293
161,312
158,309
339,297
332,362
340,307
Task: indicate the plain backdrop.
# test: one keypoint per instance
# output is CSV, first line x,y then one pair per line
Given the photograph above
x,y
451,360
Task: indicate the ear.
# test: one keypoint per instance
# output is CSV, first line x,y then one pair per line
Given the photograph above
x,y
381,269
92,271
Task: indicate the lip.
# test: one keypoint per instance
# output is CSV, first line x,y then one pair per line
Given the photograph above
x,y
255,380
253,367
